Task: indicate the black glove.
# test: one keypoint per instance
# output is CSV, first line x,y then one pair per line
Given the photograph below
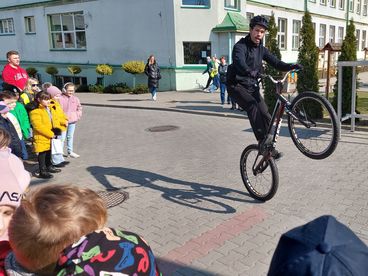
x,y
296,66
255,74
56,131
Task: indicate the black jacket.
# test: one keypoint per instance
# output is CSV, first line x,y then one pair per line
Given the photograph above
x,y
248,56
153,73
15,145
222,69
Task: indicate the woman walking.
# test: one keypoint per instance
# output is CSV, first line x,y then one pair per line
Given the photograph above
x,y
152,70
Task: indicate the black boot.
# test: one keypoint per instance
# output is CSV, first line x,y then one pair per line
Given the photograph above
x,y
43,174
52,169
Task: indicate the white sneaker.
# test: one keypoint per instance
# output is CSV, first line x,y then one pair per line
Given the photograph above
x,y
154,97
74,155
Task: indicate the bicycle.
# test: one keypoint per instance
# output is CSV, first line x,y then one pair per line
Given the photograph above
x,y
313,127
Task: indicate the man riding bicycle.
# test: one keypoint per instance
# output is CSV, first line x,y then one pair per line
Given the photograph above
x,y
243,86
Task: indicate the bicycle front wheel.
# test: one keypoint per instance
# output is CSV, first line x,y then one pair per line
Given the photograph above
x,y
261,185
313,125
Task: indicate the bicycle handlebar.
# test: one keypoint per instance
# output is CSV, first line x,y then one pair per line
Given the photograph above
x,y
279,81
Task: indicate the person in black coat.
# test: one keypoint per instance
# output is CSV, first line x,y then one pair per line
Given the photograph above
x,y
6,124
152,70
242,77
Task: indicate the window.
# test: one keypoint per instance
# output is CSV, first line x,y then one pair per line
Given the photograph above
x,y
322,2
249,16
196,3
365,7
196,52
67,31
232,4
295,36
340,35
351,5
332,3
322,35
7,26
332,34
29,23
281,34
357,34
342,4
358,7
364,38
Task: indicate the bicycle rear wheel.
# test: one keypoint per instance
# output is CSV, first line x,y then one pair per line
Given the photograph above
x,y
316,131
260,185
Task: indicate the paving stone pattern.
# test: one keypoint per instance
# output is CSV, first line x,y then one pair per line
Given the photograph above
x,y
186,196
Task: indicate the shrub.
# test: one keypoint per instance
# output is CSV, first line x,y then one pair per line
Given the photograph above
x,y
96,88
74,69
104,69
140,89
51,70
134,67
82,88
31,71
117,88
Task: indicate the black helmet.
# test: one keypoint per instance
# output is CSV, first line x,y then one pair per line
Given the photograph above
x,y
258,20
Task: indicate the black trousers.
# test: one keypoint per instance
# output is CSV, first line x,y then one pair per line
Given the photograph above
x,y
44,160
252,102
208,81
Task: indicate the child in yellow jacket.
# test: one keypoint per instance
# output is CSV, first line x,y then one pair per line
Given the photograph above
x,y
43,131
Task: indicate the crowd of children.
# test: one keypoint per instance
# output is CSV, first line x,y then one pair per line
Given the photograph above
x,y
35,116
53,229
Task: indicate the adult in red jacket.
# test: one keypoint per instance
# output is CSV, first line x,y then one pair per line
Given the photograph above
x,y
13,74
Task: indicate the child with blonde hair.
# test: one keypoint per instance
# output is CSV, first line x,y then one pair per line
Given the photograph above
x,y
49,219
73,110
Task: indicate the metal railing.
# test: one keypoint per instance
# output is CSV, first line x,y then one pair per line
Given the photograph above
x,y
353,114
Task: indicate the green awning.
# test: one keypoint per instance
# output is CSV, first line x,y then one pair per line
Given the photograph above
x,y
233,22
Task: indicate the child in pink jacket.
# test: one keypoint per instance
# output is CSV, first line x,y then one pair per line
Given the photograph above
x,y
73,110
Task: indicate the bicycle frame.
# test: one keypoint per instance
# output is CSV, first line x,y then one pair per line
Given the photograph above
x,y
282,105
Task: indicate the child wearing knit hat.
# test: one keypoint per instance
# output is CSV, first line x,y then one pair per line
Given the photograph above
x,y
60,121
14,181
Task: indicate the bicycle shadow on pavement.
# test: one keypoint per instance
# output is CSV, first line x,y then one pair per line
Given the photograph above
x,y
168,267
195,195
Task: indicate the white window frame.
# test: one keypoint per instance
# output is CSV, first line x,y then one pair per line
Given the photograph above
x,y
342,4
358,6
323,2
322,35
351,5
282,33
332,34
65,35
357,36
365,5
232,5
30,24
364,39
333,3
296,34
195,5
7,26
340,35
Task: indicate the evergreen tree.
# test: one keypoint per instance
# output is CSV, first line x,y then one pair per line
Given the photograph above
x,y
308,58
272,46
348,53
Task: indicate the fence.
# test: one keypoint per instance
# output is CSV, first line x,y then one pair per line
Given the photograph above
x,y
353,114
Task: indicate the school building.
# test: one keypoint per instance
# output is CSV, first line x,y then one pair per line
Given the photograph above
x,y
180,33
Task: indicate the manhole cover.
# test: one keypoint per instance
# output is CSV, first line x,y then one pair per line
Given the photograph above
x,y
113,198
162,128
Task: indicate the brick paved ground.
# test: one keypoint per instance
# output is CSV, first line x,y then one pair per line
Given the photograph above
x,y
186,196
